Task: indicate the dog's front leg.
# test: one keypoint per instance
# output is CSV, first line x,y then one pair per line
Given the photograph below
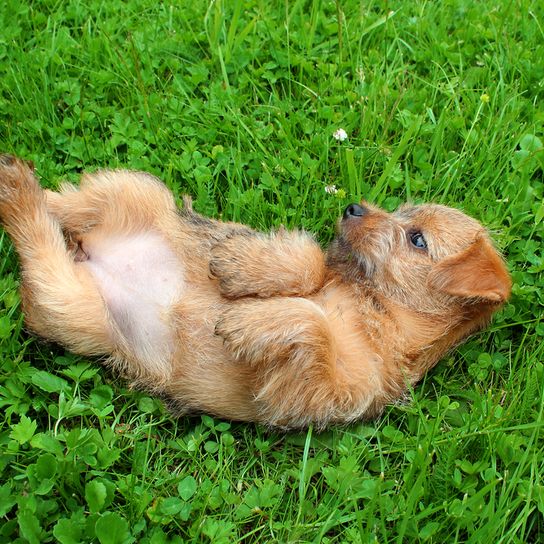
x,y
60,299
285,263
293,351
273,331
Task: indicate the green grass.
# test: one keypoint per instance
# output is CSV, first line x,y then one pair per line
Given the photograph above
x,y
235,102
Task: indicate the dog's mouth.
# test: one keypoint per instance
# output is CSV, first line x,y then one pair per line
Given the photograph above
x,y
365,261
368,237
342,253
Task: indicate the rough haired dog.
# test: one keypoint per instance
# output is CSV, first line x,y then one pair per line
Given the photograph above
x,y
216,317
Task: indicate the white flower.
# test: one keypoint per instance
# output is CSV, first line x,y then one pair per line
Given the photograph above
x,y
340,135
331,189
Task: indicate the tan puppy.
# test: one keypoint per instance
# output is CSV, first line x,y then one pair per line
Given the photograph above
x,y
216,317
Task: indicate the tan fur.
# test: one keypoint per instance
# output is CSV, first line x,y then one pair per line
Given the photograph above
x,y
218,318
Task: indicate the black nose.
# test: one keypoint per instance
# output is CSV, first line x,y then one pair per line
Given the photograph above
x,y
354,210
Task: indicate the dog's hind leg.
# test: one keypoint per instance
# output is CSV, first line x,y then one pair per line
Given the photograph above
x,y
72,209
60,298
118,200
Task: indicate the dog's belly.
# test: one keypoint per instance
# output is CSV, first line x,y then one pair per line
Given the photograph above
x,y
139,277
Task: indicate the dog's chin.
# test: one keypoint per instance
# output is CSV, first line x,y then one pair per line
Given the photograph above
x,y
367,265
361,260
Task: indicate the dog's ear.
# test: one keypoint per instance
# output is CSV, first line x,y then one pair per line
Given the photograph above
x,y
477,272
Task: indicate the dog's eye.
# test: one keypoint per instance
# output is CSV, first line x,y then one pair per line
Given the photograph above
x,y
418,240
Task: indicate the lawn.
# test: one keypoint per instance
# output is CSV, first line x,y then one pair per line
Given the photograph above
x,y
236,103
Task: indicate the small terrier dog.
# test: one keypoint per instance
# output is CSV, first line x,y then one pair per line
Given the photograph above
x,y
215,317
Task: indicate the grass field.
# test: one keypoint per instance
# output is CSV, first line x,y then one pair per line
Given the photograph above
x,y
236,103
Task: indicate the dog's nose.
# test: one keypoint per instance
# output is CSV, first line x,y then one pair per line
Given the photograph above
x,y
354,210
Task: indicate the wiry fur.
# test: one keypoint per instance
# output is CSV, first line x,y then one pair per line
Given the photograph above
x,y
215,317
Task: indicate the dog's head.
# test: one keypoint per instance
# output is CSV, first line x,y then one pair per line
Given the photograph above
x,y
426,257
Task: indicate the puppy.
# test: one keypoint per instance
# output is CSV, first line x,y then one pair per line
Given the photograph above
x,y
215,317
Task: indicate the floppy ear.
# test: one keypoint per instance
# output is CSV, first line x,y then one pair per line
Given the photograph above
x,y
476,272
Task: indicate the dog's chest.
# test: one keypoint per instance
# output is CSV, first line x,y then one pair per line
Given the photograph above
x,y
139,278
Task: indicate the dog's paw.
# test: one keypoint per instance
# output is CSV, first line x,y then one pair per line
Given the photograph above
x,y
234,326
228,266
16,177
20,192
229,329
